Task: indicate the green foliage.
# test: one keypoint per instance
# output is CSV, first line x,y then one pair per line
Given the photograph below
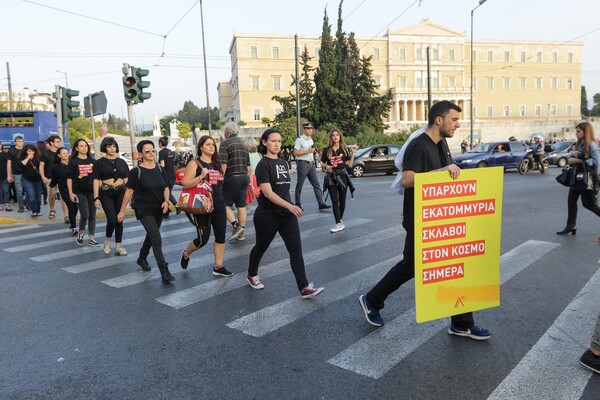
x,y
266,121
584,102
220,123
287,128
185,130
242,123
595,111
193,115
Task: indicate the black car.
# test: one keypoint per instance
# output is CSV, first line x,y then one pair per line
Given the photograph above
x,y
378,158
558,153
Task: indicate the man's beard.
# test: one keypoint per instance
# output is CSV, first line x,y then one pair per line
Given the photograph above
x,y
446,133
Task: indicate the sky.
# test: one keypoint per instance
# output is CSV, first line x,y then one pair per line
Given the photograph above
x,y
90,40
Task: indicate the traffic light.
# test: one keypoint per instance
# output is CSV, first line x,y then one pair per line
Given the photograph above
x,y
133,85
69,106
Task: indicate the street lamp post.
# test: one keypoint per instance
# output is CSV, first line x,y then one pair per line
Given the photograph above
x,y
67,79
472,52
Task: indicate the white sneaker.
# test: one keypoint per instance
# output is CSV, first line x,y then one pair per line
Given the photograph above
x,y
337,228
342,222
107,248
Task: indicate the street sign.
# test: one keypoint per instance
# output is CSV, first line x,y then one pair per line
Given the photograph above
x,y
99,103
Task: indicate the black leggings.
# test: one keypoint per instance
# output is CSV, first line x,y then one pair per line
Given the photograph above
x,y
87,212
111,204
589,199
151,224
217,219
72,207
338,198
266,224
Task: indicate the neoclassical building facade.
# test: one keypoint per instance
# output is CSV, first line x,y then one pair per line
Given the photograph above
x,y
513,81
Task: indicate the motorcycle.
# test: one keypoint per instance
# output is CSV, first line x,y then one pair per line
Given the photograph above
x,y
530,163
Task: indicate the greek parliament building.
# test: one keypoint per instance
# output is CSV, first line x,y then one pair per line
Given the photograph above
x,y
519,87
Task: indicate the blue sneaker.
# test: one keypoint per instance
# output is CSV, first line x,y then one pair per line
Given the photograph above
x,y
371,314
474,332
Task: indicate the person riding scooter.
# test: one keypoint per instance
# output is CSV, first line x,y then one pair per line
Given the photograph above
x,y
537,153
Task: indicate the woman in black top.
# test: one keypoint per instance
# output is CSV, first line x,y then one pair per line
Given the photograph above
x,y
166,160
110,176
4,184
60,174
31,178
80,184
151,189
336,157
276,213
207,168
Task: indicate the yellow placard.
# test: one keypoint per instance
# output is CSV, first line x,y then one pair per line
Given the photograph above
x,y
458,226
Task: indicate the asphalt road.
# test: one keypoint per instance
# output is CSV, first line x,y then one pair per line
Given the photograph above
x,y
76,324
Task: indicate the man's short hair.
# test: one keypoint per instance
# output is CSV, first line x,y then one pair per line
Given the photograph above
x,y
52,139
308,125
141,144
231,128
440,109
18,136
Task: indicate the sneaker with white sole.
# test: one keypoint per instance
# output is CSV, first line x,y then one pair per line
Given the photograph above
x,y
79,239
474,332
236,233
254,282
222,271
337,228
371,314
310,291
93,243
241,237
107,247
120,251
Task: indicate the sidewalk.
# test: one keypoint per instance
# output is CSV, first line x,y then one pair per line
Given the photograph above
x,y
14,217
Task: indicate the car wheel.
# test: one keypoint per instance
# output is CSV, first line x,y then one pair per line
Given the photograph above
x,y
524,166
481,164
358,171
562,162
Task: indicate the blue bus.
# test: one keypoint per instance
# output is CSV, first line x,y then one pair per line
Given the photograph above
x,y
34,125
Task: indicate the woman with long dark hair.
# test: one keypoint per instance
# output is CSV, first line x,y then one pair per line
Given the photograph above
x,y
276,213
110,177
207,168
336,157
32,180
585,151
80,184
60,173
149,183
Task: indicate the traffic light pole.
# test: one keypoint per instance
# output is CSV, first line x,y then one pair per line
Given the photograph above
x,y
58,110
93,128
131,129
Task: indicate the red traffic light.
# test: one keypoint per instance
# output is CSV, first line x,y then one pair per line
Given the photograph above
x,y
129,82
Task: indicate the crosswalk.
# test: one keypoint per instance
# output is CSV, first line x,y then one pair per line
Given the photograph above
x,y
371,356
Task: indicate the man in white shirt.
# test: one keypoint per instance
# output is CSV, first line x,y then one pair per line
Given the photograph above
x,y
304,149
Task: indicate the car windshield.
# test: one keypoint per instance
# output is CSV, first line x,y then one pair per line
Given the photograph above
x,y
482,148
560,146
362,151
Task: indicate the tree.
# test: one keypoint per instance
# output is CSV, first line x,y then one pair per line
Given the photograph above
x,y
266,121
324,96
165,124
220,123
242,123
185,130
584,103
371,106
595,111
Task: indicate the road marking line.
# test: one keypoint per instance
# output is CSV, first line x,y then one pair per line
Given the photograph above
x,y
378,352
554,357
207,290
17,229
269,319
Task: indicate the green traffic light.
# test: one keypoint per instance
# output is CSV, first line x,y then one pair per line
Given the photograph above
x,y
140,72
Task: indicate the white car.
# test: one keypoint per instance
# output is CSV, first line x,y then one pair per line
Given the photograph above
x,y
127,158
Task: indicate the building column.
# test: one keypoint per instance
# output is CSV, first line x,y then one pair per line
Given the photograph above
x,y
404,110
397,110
414,110
422,110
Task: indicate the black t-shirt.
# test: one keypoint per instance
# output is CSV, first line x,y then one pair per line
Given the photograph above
x,y
81,172
105,169
215,178
13,156
337,159
273,171
149,190
168,157
48,158
422,155
60,172
3,162
31,170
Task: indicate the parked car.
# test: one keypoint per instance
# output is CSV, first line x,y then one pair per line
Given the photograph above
x,y
127,158
558,153
495,154
378,158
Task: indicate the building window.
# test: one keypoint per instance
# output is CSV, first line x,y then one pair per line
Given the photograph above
x,y
569,109
256,114
276,83
569,83
255,83
490,111
538,83
375,53
402,54
253,52
474,111
506,83
378,81
435,82
490,56
419,79
523,82
553,109
570,57
539,56
523,56
554,82
451,81
278,111
507,56
402,81
490,83
555,57
451,55
538,110
435,54
505,111
475,83
275,51
419,53
522,111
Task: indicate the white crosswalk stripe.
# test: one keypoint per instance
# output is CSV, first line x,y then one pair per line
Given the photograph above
x,y
18,228
378,352
207,290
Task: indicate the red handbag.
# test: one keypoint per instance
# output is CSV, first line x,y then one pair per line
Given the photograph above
x,y
197,200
